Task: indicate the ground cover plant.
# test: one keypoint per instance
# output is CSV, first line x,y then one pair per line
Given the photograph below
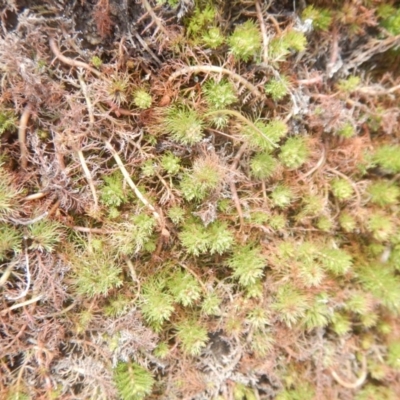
x,y
199,199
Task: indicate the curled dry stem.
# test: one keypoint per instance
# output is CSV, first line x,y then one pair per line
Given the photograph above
x,y
69,61
213,68
356,384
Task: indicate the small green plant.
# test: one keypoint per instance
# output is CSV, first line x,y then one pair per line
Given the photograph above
x,y
281,47
388,157
294,152
193,337
347,222
96,62
133,381
95,273
8,121
350,84
393,355
321,18
267,136
277,88
213,38
384,193
248,264
117,89
177,214
10,240
290,304
219,95
113,193
45,235
184,124
184,288
142,99
200,21
341,188
263,165
198,239
205,177
390,18
157,304
170,163
346,130
380,225
9,193
282,196
245,42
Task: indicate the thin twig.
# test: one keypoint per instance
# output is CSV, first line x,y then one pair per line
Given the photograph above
x,y
219,70
138,194
263,31
239,116
69,61
23,124
154,17
359,382
88,178
28,278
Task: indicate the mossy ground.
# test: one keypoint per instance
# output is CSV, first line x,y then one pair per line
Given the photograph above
x,y
199,200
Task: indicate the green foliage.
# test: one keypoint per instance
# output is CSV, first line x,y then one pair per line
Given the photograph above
x,y
341,323
294,152
184,288
347,222
95,273
242,392
177,215
10,240
263,165
381,226
281,196
341,188
346,130
321,18
290,304
219,95
170,163
45,235
268,136
390,18
200,21
393,355
132,236
8,121
213,38
142,99
133,381
157,305
205,177
210,304
198,239
337,261
96,62
319,314
373,392
303,391
184,124
193,337
112,193
248,264
388,157
117,306
245,42
257,317
280,47
379,280
384,193
349,84
9,193
277,88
